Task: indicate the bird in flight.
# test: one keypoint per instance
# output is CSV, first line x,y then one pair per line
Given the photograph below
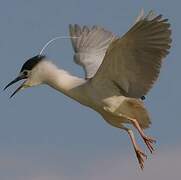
x,y
119,72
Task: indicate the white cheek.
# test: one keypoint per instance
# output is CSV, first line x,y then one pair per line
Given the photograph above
x,y
34,80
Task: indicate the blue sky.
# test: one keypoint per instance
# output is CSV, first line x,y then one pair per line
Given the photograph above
x,y
45,135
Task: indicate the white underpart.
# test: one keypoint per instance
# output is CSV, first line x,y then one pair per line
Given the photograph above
x,y
109,102
47,73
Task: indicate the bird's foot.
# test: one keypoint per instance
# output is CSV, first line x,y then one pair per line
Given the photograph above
x,y
148,140
141,156
149,143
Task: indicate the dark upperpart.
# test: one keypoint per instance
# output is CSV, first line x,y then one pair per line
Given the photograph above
x,y
32,62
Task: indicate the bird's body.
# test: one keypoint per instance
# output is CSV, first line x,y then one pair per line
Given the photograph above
x,y
111,104
118,72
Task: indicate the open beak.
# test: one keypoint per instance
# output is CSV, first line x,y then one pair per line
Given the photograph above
x,y
20,77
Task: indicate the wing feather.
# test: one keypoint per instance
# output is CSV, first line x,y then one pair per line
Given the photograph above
x,y
90,47
133,61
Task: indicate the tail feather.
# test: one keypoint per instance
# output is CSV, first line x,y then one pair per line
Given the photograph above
x,y
139,112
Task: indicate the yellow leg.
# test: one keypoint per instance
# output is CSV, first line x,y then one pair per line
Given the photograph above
x,y
148,140
141,156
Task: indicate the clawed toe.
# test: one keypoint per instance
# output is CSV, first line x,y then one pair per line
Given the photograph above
x,y
149,143
141,157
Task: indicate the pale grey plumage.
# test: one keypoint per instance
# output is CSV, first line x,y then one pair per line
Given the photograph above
x,y
131,62
91,47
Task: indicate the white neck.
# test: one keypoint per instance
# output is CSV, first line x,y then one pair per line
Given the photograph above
x,y
64,82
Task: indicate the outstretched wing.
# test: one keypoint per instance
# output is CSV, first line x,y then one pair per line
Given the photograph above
x,y
90,47
132,62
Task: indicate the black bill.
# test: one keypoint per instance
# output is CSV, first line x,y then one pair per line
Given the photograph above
x,y
20,77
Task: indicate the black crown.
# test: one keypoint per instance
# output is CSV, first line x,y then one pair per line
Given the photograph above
x,y
32,62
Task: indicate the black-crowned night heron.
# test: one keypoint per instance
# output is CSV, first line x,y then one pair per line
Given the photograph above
x,y
118,72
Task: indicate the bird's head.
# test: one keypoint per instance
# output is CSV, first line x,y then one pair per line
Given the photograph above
x,y
29,72
34,71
